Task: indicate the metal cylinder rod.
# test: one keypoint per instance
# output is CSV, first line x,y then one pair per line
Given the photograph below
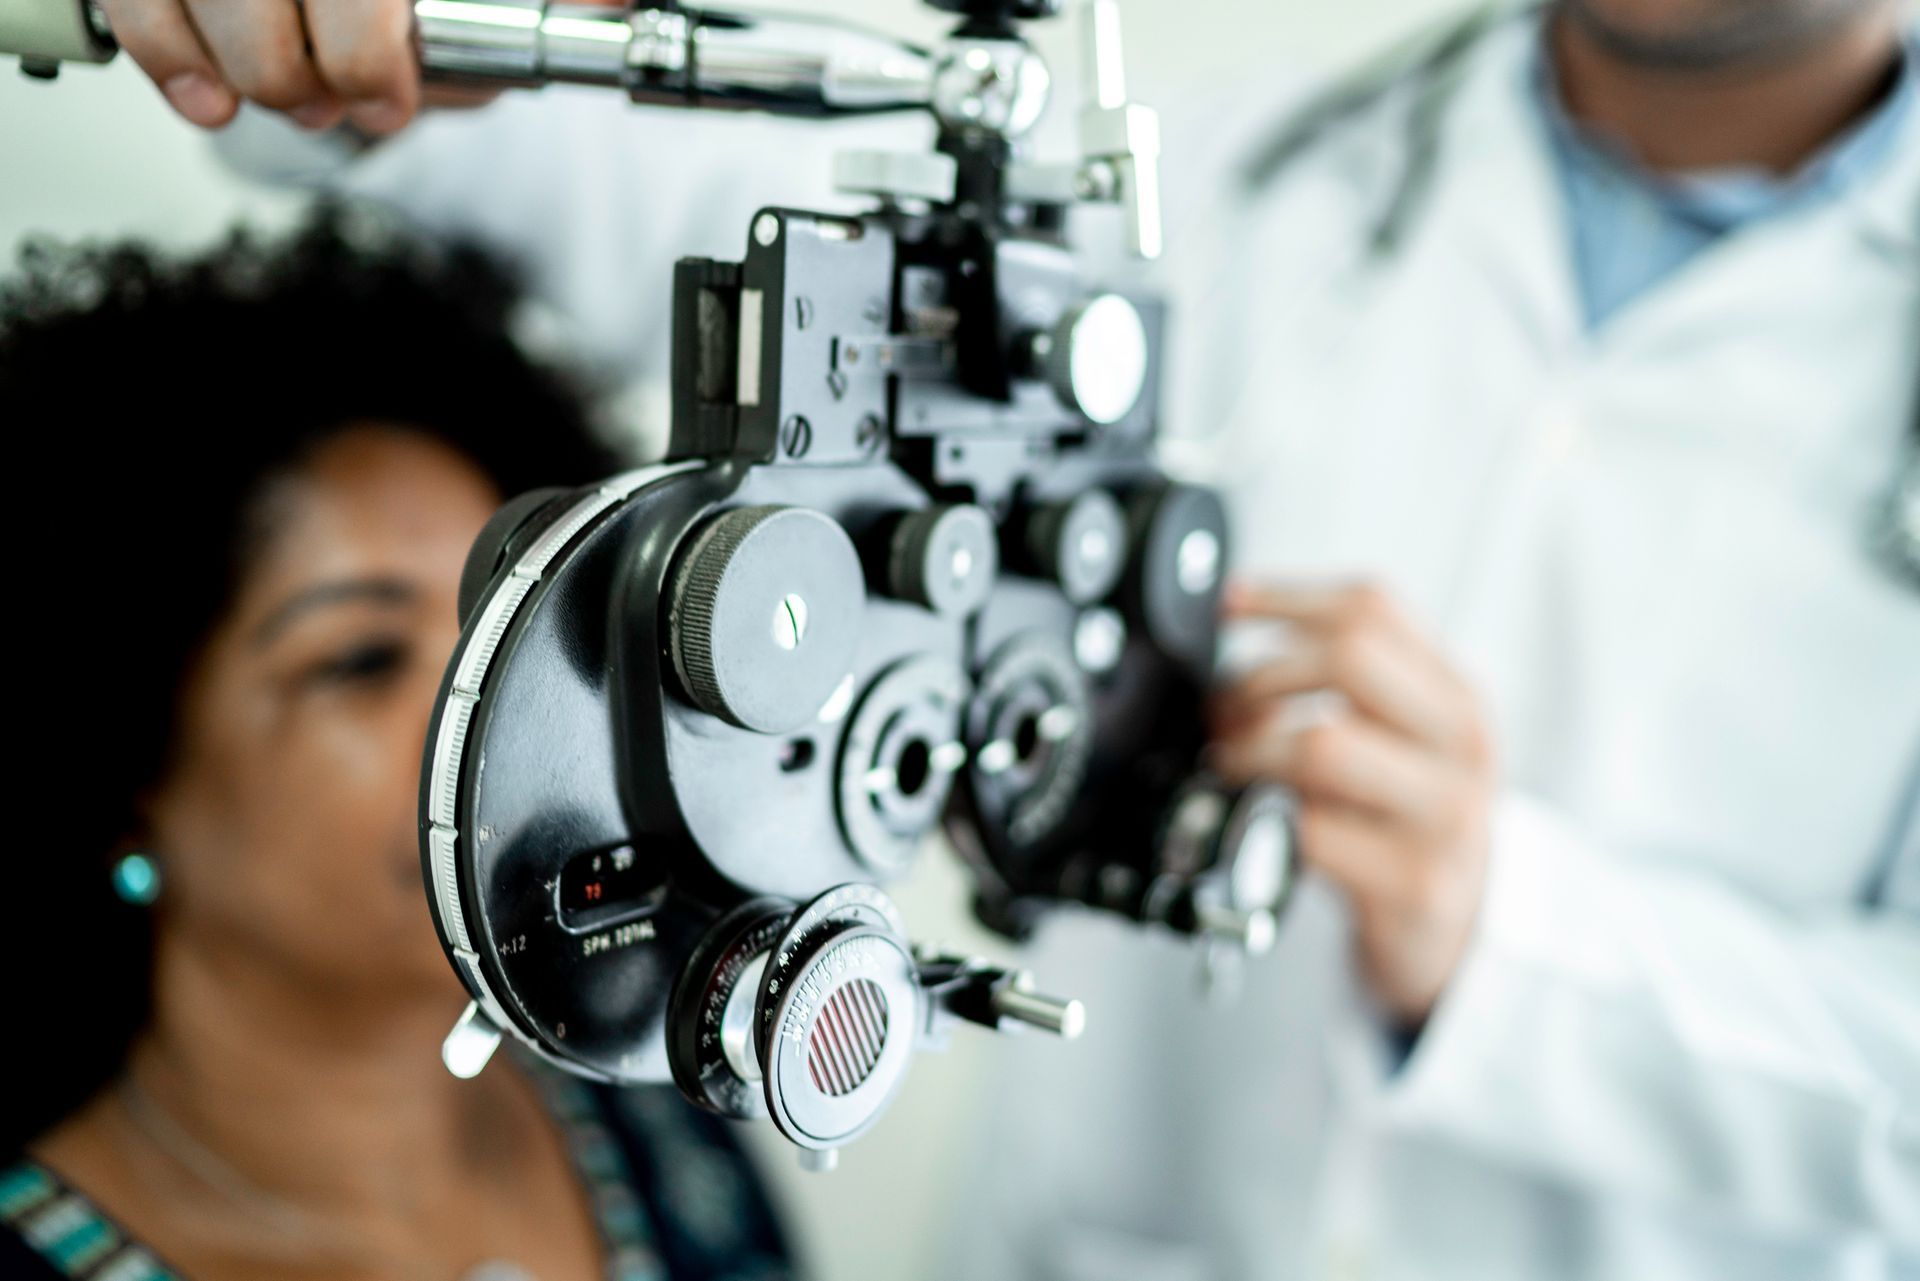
x,y
788,64
1065,1019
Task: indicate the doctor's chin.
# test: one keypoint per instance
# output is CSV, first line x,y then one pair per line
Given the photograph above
x,y
968,640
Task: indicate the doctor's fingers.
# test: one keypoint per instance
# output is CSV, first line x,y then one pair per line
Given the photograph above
x,y
365,52
261,49
208,55
1352,762
1394,880
160,37
1361,855
1379,674
1339,611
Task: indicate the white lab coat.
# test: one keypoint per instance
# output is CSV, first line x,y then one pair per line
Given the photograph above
x,y
1679,1046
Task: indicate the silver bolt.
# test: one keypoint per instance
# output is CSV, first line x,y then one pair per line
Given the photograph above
x,y
766,229
1065,1019
790,621
996,756
1058,722
1197,564
1251,932
1095,546
947,757
1099,638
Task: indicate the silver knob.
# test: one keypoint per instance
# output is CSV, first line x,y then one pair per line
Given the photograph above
x,y
1251,932
1096,358
1017,1001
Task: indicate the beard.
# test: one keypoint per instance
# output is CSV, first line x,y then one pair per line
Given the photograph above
x,y
1709,35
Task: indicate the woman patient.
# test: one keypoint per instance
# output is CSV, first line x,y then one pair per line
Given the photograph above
x,y
227,1064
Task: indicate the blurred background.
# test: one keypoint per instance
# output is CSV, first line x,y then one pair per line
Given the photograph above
x,y
99,155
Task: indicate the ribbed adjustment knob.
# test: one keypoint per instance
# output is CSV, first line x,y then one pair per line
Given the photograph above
x,y
765,615
944,557
1180,551
1081,544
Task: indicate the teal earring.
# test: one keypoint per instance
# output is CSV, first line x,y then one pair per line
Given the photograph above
x,y
136,879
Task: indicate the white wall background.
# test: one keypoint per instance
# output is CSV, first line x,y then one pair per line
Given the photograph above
x,y
98,155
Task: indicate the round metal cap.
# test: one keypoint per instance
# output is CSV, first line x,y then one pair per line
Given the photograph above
x,y
945,558
1081,544
1097,361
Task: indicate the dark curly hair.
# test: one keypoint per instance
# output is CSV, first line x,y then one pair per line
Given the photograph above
x,y
156,398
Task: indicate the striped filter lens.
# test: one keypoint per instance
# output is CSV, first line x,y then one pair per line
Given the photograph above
x,y
848,1038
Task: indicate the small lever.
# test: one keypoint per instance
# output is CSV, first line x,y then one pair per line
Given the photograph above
x,y
1001,999
470,1044
1066,1019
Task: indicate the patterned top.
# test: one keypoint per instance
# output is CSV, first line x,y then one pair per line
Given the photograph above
x,y
673,1195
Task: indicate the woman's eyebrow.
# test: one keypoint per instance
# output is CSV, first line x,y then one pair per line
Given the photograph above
x,y
379,591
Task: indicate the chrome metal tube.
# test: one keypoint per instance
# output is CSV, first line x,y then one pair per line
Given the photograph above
x,y
787,64
797,65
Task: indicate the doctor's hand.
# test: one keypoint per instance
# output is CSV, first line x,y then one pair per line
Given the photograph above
x,y
321,61
1395,782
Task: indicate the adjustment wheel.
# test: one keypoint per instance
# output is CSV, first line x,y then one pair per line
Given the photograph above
x,y
838,1017
710,1019
764,614
1080,544
898,758
945,558
1179,567
1031,730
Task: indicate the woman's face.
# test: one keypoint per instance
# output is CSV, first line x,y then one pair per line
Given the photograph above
x,y
286,829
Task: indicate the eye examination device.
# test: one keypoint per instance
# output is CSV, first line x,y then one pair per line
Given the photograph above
x,y
909,567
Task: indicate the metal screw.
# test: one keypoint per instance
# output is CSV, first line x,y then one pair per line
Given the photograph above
x,y
766,229
1099,638
802,312
790,621
1198,562
867,433
796,437
837,383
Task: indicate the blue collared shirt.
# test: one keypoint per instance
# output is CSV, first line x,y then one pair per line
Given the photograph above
x,y
1632,228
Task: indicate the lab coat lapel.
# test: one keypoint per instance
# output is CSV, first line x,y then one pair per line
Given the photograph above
x,y
1764,281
